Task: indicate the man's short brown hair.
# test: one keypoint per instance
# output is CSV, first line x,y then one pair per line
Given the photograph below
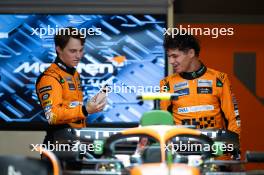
x,y
63,36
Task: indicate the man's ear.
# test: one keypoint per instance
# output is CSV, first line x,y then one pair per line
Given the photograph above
x,y
58,50
191,52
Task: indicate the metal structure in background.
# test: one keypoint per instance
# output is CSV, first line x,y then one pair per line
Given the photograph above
x,y
85,6
170,24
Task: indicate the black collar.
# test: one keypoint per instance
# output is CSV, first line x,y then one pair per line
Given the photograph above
x,y
63,66
195,74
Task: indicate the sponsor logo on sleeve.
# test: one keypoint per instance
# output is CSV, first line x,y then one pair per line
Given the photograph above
x,y
71,86
47,108
45,96
236,112
51,117
47,103
68,79
238,121
73,104
47,112
79,86
48,115
45,88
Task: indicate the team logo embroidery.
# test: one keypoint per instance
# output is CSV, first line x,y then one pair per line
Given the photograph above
x,y
62,80
167,86
219,83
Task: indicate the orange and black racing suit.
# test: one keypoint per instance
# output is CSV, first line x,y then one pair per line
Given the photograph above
x,y
206,100
60,93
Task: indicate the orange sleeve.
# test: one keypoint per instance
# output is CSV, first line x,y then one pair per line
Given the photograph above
x,y
165,87
229,106
49,91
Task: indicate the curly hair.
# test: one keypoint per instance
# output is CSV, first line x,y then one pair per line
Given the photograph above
x,y
181,42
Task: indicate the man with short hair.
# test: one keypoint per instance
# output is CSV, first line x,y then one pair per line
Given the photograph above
x,y
206,99
59,87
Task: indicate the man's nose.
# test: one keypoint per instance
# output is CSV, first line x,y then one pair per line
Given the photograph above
x,y
79,55
171,60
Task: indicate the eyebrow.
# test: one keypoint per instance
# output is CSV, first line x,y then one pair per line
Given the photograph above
x,y
76,49
172,54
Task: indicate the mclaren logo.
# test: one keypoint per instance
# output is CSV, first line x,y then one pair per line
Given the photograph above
x,y
92,69
26,67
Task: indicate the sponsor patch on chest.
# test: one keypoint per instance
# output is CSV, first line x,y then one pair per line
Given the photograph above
x,y
199,108
204,83
181,85
204,90
182,92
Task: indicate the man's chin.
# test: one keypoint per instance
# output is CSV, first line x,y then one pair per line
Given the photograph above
x,y
176,71
75,64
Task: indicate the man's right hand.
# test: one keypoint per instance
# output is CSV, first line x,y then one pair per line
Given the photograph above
x,y
97,103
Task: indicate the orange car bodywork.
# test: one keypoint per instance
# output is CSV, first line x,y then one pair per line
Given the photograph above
x,y
162,168
162,133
